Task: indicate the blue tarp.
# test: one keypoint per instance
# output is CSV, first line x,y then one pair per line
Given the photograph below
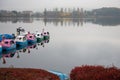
x,y
62,76
8,36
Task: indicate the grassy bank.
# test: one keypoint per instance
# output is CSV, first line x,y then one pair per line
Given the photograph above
x,y
26,74
91,72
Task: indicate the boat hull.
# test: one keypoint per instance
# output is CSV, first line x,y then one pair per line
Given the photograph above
x,y
4,48
23,43
21,47
32,41
39,40
9,51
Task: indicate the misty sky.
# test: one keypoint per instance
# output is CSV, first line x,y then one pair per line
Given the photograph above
x,y
39,5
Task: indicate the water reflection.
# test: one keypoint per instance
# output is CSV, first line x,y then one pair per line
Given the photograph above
x,y
106,21
68,47
15,20
66,21
8,54
21,49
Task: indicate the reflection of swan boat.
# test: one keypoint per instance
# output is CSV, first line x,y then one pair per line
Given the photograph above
x,y
8,54
39,37
21,40
8,44
21,47
23,50
0,43
31,38
31,46
0,55
12,51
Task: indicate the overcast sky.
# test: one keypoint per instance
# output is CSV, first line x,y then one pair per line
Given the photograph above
x,y
39,5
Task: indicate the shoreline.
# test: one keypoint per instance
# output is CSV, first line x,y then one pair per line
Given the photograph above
x,y
26,74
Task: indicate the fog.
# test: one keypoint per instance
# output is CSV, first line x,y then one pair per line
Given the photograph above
x,y
39,5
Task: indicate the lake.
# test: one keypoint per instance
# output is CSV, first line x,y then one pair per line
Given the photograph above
x,y
73,42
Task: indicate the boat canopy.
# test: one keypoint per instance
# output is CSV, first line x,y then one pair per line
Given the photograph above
x,y
8,36
20,38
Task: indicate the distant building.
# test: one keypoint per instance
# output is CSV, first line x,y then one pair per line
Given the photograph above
x,y
27,13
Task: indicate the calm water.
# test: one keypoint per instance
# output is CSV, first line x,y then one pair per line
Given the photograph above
x,y
72,43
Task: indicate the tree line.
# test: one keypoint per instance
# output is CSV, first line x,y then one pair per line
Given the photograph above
x,y
108,12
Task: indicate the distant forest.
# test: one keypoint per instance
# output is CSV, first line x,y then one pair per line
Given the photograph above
x,y
105,12
80,13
